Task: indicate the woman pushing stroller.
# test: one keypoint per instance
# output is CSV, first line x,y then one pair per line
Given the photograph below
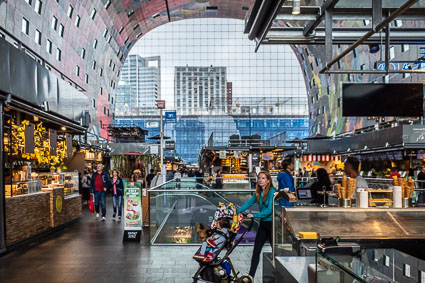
x,y
264,197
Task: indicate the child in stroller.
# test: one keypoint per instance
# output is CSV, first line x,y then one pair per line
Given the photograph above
x,y
215,242
222,235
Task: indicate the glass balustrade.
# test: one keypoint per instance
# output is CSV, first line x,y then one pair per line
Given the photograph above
x,y
181,211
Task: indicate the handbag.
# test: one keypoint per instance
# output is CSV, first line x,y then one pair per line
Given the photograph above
x,y
91,205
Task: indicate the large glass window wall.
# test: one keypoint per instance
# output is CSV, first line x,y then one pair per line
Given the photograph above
x,y
211,75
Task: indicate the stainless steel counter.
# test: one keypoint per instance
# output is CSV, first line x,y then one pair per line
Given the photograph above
x,y
355,223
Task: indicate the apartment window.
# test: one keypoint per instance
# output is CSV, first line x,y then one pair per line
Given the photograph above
x,y
77,21
38,6
131,12
392,52
61,29
109,97
125,41
113,68
54,23
58,54
86,79
104,110
109,38
93,103
77,71
404,47
101,72
94,65
105,32
108,113
29,2
83,53
49,47
25,26
93,14
110,63
37,37
101,91
136,26
95,44
112,100
121,29
107,4
101,124
70,11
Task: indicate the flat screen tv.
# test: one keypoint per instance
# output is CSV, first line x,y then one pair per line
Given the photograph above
x,y
397,100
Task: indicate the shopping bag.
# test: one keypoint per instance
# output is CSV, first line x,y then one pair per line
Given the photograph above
x,y
91,205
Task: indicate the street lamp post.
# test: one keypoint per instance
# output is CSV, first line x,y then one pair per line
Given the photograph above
x,y
160,104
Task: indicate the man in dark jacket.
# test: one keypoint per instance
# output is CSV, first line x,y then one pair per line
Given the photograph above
x,y
98,186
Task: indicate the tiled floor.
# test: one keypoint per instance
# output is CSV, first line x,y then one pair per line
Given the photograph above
x,y
92,251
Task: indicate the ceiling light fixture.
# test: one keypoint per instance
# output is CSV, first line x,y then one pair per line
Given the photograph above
x,y
296,7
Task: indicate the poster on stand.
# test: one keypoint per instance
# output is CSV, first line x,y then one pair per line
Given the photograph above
x,y
132,211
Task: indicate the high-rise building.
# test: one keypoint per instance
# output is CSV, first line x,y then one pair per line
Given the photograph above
x,y
200,90
139,86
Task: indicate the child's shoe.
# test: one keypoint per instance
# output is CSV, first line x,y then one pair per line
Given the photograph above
x,y
199,257
209,257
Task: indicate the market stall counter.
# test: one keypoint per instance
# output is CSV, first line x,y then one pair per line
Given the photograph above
x,y
298,232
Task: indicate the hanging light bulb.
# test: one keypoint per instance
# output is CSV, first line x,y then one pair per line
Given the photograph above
x,y
296,7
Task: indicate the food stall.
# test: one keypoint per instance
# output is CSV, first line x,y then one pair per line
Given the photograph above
x,y
309,242
39,194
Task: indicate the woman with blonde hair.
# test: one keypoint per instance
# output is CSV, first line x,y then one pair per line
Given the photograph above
x,y
264,197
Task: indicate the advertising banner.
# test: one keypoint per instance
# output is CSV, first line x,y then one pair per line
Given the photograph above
x,y
132,211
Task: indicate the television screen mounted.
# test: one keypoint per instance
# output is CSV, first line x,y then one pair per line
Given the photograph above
x,y
380,100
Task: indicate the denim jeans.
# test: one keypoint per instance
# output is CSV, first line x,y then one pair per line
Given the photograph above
x,y
100,196
114,203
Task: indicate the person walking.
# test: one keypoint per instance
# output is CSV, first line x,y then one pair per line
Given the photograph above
x,y
219,180
149,177
117,193
286,180
98,187
253,178
264,192
85,184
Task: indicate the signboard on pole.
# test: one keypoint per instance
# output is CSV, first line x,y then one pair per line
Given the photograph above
x,y
222,154
132,211
160,104
170,117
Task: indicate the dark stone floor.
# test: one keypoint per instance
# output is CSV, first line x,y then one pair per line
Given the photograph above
x,y
92,251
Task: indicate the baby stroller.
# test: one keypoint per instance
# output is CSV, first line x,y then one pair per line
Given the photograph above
x,y
220,269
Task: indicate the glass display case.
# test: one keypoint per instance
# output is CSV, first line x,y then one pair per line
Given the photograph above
x,y
67,180
235,181
297,229
22,188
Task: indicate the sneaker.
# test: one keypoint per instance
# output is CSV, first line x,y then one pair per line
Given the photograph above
x,y
199,257
97,215
119,218
103,218
113,218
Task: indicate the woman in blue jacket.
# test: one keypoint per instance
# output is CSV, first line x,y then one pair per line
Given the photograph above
x,y
117,193
264,197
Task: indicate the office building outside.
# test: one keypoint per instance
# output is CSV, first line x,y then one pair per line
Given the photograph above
x,y
139,86
200,90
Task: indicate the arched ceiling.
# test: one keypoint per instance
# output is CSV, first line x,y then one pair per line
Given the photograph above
x,y
139,17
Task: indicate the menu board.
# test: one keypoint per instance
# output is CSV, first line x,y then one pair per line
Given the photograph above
x,y
132,211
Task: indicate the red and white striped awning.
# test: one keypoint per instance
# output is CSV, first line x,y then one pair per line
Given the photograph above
x,y
320,157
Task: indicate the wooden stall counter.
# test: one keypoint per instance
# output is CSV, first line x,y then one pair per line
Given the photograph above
x,y
57,212
26,216
73,207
